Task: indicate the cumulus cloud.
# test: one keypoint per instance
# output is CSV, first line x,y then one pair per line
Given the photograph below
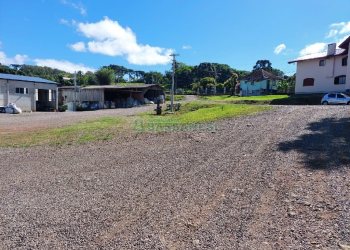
x,y
280,48
63,65
78,6
336,29
79,46
108,37
313,49
17,59
186,47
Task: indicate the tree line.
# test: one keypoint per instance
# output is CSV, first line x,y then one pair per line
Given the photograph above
x,y
187,77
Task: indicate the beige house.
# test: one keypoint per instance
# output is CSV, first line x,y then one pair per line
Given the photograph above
x,y
28,93
324,72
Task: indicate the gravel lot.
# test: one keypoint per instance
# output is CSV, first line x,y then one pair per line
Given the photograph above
x,y
33,121
275,180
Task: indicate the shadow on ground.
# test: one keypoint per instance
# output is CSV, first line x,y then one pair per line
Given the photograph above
x,y
325,147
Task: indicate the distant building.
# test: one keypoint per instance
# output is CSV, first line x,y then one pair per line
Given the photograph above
x,y
259,82
110,96
28,93
324,72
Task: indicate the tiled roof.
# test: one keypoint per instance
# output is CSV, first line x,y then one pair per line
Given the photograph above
x,y
338,52
25,78
259,75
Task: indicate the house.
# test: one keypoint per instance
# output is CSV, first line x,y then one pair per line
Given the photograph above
x,y
324,72
110,96
259,82
28,93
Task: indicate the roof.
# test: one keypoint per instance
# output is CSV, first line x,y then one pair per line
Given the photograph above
x,y
259,75
25,78
132,86
345,44
321,55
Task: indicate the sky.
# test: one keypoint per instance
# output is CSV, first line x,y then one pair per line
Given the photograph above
x,y
139,34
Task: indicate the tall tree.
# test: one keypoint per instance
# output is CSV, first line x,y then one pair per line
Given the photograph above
x,y
263,64
231,83
105,76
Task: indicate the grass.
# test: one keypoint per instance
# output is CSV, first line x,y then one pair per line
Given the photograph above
x,y
83,132
262,98
196,112
106,128
177,98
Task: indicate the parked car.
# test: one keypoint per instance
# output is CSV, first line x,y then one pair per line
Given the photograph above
x,y
335,98
2,109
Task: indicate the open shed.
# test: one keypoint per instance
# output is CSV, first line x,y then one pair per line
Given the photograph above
x,y
112,96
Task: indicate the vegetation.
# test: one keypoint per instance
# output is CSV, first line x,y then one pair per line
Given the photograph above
x,y
194,113
83,132
177,98
227,98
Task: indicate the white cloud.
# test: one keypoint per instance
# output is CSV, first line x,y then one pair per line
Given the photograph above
x,y
17,59
278,50
63,65
79,46
336,29
186,47
313,49
108,37
78,6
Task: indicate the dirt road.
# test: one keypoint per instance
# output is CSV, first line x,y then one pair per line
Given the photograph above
x,y
276,180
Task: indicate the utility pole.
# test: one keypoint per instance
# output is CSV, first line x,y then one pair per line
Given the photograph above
x,y
75,92
173,82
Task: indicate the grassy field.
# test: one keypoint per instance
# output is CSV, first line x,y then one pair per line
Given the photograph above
x,y
194,113
177,98
198,112
228,98
83,132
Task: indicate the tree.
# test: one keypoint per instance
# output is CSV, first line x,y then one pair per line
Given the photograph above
x,y
184,76
263,64
105,76
231,83
207,82
153,77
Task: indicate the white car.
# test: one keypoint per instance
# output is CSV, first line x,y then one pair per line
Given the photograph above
x,y
335,98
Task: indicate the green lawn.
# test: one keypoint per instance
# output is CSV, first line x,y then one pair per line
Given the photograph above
x,y
177,98
245,98
83,132
107,128
194,113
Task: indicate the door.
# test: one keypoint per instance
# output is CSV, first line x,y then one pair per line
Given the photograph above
x,y
341,99
331,99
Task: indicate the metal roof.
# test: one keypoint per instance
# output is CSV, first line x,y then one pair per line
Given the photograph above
x,y
131,86
25,78
338,52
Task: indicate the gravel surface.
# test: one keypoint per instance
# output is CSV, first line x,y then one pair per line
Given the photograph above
x,y
33,121
275,180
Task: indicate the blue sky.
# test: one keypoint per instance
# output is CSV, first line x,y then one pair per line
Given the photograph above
x,y
87,34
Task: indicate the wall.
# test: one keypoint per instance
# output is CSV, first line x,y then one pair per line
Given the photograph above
x,y
323,75
24,101
256,87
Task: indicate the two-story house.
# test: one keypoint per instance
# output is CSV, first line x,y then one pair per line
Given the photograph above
x,y
324,72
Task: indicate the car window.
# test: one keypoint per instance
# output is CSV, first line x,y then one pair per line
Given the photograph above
x,y
331,96
340,96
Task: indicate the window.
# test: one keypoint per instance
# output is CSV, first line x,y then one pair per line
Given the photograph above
x,y
322,63
340,96
23,91
331,95
340,80
344,61
308,82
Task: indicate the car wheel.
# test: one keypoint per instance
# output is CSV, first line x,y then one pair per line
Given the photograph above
x,y
348,103
325,103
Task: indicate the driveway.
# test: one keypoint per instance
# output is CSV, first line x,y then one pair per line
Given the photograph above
x,y
275,180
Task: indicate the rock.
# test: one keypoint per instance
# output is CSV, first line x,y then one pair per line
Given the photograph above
x,y
292,214
344,247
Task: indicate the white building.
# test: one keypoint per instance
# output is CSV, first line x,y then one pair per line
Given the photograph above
x,y
28,93
324,72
